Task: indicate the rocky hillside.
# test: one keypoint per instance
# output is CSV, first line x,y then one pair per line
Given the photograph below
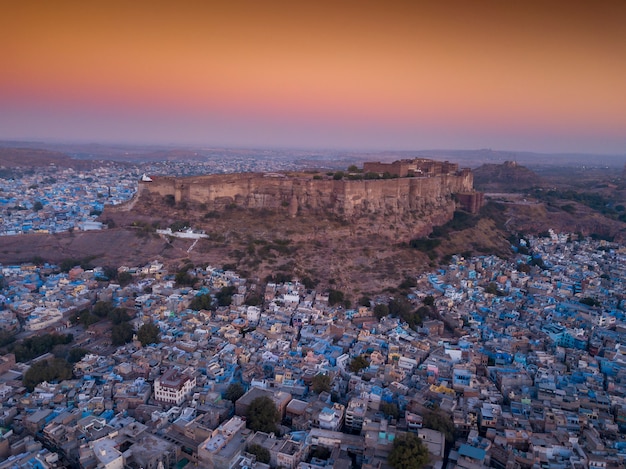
x,y
506,177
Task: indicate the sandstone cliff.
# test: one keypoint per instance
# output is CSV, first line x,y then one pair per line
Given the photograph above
x,y
302,194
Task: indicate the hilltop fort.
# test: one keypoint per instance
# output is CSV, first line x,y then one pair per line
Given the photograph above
x,y
424,188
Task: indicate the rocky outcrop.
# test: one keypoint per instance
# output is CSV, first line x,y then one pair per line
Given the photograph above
x,y
505,177
302,194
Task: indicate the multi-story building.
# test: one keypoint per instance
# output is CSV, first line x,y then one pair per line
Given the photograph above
x,y
173,386
225,445
355,413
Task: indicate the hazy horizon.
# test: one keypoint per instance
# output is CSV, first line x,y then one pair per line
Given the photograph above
x,y
355,76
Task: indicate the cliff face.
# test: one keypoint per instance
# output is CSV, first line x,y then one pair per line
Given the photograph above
x,y
301,194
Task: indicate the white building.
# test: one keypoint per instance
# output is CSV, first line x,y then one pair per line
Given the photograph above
x,y
107,454
173,387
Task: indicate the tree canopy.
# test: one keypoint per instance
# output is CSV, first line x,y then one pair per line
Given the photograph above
x,y
321,383
440,421
149,333
122,333
335,297
262,415
47,370
224,297
408,452
203,301
262,454
35,346
358,363
234,392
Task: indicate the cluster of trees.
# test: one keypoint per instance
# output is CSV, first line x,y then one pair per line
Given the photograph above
x,y
35,346
234,392
184,278
6,338
68,264
590,301
121,332
390,409
262,454
321,383
47,370
606,206
262,415
149,333
335,297
439,420
401,308
224,297
408,452
493,289
179,225
204,301
358,363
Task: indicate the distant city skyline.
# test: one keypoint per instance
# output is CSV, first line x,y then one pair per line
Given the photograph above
x,y
531,76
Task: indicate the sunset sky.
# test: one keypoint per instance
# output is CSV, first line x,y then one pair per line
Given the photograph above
x,y
394,75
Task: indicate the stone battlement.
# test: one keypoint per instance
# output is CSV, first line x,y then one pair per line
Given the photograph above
x,y
303,193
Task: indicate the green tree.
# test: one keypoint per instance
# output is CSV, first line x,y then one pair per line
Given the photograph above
x,y
335,297
321,452
76,354
262,415
253,300
122,333
381,310
201,302
124,279
262,454
224,297
118,316
84,317
399,307
365,301
184,279
234,391
149,333
6,338
408,452
321,383
407,283
179,225
429,300
102,309
309,283
36,346
358,363
440,421
590,301
493,289
47,370
390,409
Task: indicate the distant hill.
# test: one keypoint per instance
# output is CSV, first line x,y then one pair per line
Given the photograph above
x,y
506,177
27,158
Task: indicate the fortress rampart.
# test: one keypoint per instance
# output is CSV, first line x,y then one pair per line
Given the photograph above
x,y
302,193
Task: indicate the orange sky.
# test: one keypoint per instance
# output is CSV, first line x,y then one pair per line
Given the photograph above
x,y
362,74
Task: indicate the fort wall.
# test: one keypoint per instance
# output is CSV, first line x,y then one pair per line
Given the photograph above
x,y
299,194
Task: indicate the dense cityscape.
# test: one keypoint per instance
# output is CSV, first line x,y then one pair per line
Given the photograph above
x,y
489,362
313,235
